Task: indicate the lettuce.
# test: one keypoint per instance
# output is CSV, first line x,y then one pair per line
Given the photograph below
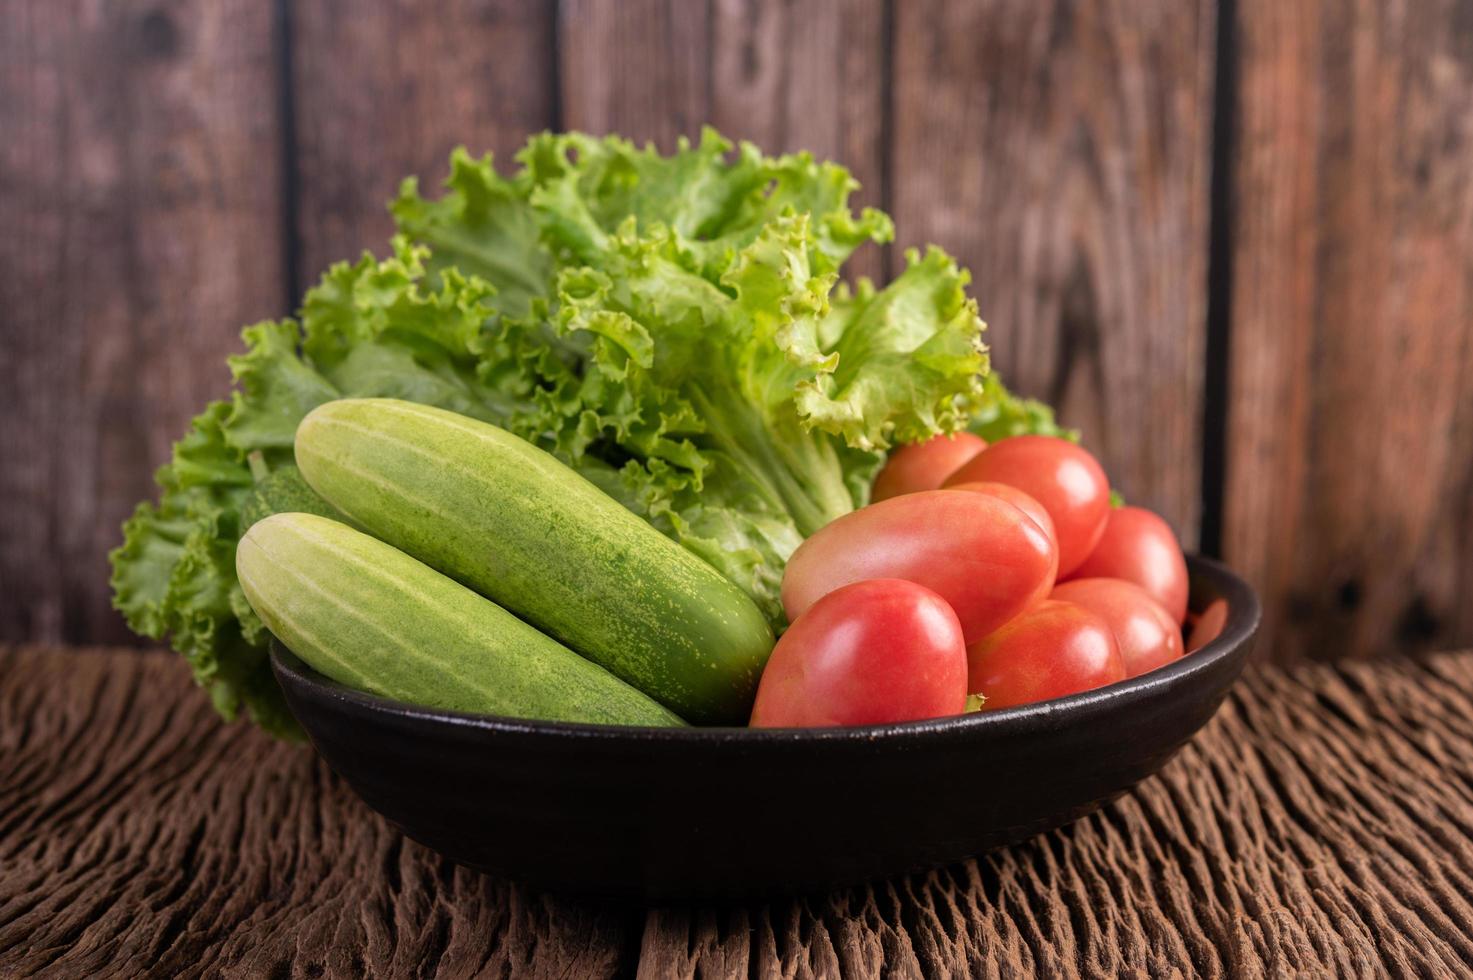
x,y
673,327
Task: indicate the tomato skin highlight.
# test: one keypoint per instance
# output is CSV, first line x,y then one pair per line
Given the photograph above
x,y
1053,650
1062,476
1140,547
1208,626
871,653
981,554
924,465
1145,632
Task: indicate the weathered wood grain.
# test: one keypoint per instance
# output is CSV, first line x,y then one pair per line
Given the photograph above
x,y
1062,152
1322,825
787,76
139,193
384,89
1349,496
639,68
1060,149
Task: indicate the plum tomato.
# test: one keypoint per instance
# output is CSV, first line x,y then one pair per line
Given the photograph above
x,y
978,552
1023,502
1054,649
1208,626
923,465
1061,476
878,651
1145,632
1028,506
1140,547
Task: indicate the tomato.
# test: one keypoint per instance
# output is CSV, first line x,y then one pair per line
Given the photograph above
x,y
1208,626
878,651
1061,476
1055,649
979,553
923,465
1145,632
1140,547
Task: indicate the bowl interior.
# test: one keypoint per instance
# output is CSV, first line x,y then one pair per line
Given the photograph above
x,y
1210,580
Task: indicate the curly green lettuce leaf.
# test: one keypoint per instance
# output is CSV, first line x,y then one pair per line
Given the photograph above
x,y
713,203
908,359
174,575
999,413
484,227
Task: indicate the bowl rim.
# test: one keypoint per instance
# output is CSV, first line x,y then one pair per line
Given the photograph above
x,y
1244,613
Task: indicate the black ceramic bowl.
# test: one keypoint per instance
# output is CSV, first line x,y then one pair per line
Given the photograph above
x,y
719,813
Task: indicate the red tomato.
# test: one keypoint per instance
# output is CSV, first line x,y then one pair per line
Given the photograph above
x,y
1058,474
1208,626
1145,632
1054,649
873,652
979,553
1140,547
923,465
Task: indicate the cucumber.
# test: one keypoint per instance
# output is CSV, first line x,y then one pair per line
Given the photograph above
x,y
371,617
511,522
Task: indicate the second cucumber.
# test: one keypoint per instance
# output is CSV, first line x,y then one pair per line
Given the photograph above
x,y
516,525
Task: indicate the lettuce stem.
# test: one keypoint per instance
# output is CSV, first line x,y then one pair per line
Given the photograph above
x,y
800,472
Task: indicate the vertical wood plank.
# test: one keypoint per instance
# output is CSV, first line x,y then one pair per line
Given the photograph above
x,y
1062,151
639,68
787,76
139,190
386,88
1350,489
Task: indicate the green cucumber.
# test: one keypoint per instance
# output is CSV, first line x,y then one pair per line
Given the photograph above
x,y
371,617
511,522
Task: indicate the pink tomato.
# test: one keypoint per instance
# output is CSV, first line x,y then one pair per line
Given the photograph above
x,y
1145,632
1061,476
924,465
1054,649
1027,505
981,554
879,651
1140,547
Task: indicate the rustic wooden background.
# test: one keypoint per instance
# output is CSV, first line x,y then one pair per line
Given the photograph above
x,y
1232,240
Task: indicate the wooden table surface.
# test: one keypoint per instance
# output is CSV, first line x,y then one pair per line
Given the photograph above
x,y
1319,826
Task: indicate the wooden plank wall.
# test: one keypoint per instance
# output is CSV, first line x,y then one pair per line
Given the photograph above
x,y
1349,495
172,170
140,179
